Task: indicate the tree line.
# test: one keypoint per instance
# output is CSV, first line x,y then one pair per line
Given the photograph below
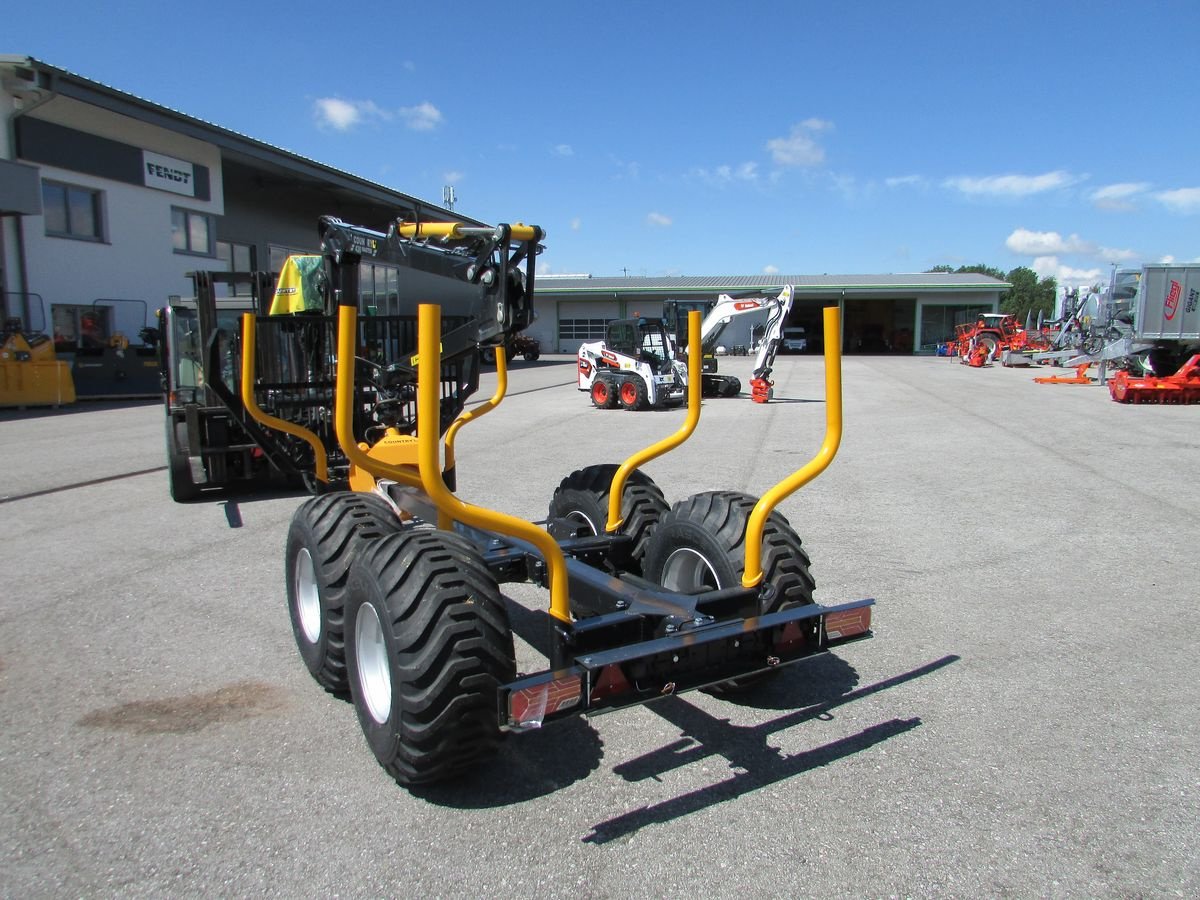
x,y
1028,293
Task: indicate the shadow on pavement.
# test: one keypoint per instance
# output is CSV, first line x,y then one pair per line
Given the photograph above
x,y
746,749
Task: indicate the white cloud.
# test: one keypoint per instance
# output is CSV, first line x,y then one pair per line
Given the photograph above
x,y
1066,276
726,175
800,147
1118,196
770,270
576,223
1181,200
1114,254
422,117
1010,185
1041,243
342,115
563,150
630,170
452,177
658,219
1051,244
905,181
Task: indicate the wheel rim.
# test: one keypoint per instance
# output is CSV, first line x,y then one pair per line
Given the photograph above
x,y
374,675
308,596
582,518
600,392
687,571
628,393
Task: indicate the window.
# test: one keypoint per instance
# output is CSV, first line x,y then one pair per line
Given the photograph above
x,y
280,253
86,327
581,329
938,321
379,287
72,211
191,232
235,258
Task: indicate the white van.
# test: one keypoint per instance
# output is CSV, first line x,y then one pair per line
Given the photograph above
x,y
794,340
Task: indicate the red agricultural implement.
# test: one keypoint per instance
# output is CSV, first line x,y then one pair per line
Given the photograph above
x,y
1182,387
979,342
1080,377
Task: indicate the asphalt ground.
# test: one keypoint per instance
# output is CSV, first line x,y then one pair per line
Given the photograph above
x,y
1024,723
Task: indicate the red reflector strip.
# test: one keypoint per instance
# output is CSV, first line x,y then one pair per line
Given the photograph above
x,y
528,706
611,681
790,637
848,623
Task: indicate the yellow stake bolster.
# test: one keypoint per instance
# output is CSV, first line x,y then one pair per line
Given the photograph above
x,y
248,344
429,327
483,408
669,443
752,573
343,418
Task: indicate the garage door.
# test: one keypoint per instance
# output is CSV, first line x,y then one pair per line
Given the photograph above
x,y
645,309
583,320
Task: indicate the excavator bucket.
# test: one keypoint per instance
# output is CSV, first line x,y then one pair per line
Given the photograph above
x,y
761,390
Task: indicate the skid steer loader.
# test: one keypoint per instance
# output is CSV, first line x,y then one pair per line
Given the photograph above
x,y
393,586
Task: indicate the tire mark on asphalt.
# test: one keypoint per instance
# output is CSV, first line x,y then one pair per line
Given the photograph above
x,y
79,484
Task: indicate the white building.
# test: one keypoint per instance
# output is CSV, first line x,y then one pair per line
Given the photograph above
x,y
107,201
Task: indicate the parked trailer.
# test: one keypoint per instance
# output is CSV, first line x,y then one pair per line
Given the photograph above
x,y
393,585
1147,325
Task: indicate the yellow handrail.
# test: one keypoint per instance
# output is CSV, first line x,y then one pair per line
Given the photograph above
x,y
752,574
249,338
668,443
343,406
429,335
482,409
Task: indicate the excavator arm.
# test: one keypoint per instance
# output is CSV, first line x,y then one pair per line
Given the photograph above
x,y
727,309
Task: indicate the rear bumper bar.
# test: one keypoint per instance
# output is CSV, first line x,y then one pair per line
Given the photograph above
x,y
603,680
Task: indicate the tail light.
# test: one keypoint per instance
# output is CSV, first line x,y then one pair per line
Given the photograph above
x,y
848,623
529,706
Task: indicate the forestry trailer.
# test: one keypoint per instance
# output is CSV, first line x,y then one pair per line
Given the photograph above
x,y
393,585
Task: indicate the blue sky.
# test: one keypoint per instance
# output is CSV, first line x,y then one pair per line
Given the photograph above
x,y
710,138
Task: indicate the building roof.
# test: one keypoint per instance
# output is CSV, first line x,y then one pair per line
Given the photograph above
x,y
709,284
42,76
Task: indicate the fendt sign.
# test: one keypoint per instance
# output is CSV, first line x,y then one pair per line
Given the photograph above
x,y
168,174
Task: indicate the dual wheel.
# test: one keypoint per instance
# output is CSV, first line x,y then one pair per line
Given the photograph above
x,y
695,546
630,392
407,621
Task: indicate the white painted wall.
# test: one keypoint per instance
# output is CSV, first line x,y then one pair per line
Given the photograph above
x,y
137,260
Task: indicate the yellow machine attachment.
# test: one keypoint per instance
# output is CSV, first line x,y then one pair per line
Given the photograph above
x,y
30,372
